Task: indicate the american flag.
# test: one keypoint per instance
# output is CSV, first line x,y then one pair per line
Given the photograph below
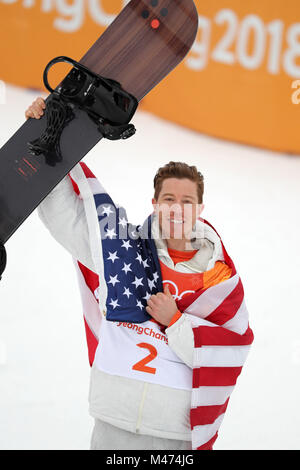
x,y
218,314
131,266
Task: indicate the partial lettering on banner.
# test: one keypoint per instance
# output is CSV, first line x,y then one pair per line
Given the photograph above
x,y
72,14
296,94
246,41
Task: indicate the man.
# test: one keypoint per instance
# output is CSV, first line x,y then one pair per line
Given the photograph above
x,y
165,292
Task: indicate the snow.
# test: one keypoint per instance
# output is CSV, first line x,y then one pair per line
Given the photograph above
x,y
251,198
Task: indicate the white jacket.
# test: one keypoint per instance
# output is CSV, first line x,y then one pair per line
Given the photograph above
x,y
133,405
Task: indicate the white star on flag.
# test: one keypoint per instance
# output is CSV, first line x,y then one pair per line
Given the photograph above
x,y
139,258
107,210
151,284
137,282
112,256
127,292
110,233
114,303
113,280
126,244
126,268
147,296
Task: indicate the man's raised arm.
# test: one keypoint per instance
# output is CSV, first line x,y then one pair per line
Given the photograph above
x,y
62,211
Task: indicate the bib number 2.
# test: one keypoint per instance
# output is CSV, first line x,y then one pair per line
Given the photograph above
x,y
141,365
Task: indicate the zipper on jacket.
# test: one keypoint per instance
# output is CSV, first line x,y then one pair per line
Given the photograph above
x,y
138,423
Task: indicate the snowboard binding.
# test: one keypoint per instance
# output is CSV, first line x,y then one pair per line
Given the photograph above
x,y
106,103
58,116
2,260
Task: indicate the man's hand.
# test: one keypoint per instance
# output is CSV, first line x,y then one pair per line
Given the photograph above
x,y
36,109
162,307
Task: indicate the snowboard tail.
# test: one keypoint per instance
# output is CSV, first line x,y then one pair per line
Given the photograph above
x,y
163,34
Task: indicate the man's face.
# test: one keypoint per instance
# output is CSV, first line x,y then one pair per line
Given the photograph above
x,y
177,208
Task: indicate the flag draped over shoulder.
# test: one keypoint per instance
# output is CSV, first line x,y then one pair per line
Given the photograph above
x,y
219,318
222,339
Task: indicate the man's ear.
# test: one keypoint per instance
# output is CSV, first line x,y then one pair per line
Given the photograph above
x,y
154,203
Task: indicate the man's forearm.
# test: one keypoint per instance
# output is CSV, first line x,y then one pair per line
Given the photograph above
x,y
181,339
62,212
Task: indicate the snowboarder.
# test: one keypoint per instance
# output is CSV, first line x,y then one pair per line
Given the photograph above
x,y
153,410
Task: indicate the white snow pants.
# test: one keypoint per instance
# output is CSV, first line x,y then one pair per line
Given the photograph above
x,y
108,437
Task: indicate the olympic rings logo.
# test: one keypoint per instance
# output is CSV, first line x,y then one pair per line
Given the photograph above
x,y
176,296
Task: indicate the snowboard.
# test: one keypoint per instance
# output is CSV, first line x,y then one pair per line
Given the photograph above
x,y
96,99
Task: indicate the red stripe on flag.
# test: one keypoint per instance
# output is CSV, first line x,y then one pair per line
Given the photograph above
x,y
87,171
215,376
228,308
92,342
75,186
218,336
206,414
91,279
209,444
227,258
188,299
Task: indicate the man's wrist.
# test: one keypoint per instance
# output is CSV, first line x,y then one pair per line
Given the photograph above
x,y
175,317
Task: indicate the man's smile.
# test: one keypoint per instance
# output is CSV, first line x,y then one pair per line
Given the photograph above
x,y
176,221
